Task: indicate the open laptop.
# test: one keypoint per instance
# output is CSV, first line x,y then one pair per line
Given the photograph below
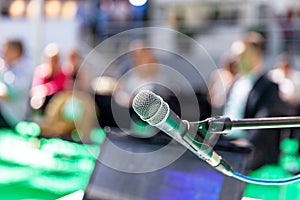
x,y
187,177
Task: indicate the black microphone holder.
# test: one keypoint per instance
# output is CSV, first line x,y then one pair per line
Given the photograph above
x,y
223,124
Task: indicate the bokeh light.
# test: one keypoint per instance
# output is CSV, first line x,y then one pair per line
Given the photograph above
x,y
17,8
238,47
52,8
36,102
137,2
69,10
51,49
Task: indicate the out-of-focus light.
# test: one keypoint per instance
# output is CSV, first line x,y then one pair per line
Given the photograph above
x,y
52,8
3,90
277,76
137,2
37,102
98,135
9,77
86,164
2,64
287,88
69,10
107,5
73,110
51,49
40,91
289,146
32,8
238,48
17,8
28,128
104,85
75,136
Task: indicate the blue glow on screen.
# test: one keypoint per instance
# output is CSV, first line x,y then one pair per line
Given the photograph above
x,y
199,184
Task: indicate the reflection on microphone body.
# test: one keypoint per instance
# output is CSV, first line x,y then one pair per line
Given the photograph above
x,y
152,109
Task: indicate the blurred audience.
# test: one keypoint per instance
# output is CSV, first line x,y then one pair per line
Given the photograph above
x,y
140,71
220,82
288,79
15,82
75,74
70,115
71,112
48,78
103,88
254,95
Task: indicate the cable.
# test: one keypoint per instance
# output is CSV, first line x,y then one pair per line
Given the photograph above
x,y
260,181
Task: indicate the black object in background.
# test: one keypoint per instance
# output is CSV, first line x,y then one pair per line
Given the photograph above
x,y
186,178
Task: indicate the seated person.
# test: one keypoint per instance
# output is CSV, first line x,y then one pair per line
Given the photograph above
x,y
144,72
15,82
220,81
48,78
69,112
75,72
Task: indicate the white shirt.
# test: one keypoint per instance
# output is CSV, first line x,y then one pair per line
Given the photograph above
x,y
17,79
237,100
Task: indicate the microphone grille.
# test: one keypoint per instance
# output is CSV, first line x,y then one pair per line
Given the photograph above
x,y
150,107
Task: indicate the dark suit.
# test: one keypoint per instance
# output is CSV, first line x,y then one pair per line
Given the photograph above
x,y
263,101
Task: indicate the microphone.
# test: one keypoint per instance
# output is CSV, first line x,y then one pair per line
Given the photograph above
x,y
152,109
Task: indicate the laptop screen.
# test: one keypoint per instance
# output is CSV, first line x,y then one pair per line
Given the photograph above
x,y
187,177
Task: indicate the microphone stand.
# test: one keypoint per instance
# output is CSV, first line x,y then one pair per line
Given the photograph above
x,y
223,124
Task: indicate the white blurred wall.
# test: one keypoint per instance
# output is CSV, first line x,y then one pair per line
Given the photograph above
x,y
63,32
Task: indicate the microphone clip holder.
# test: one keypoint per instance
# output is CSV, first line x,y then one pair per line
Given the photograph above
x,y
223,124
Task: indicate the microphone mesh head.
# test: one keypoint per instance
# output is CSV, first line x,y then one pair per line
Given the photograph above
x,y
150,107
161,114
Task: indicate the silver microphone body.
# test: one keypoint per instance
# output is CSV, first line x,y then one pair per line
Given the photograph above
x,y
152,109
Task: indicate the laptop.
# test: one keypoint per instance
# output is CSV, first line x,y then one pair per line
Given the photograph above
x,y
121,177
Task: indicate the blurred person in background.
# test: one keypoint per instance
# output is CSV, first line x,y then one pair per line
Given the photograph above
x,y
140,71
71,113
297,31
287,30
288,79
220,82
15,82
48,78
254,95
75,74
